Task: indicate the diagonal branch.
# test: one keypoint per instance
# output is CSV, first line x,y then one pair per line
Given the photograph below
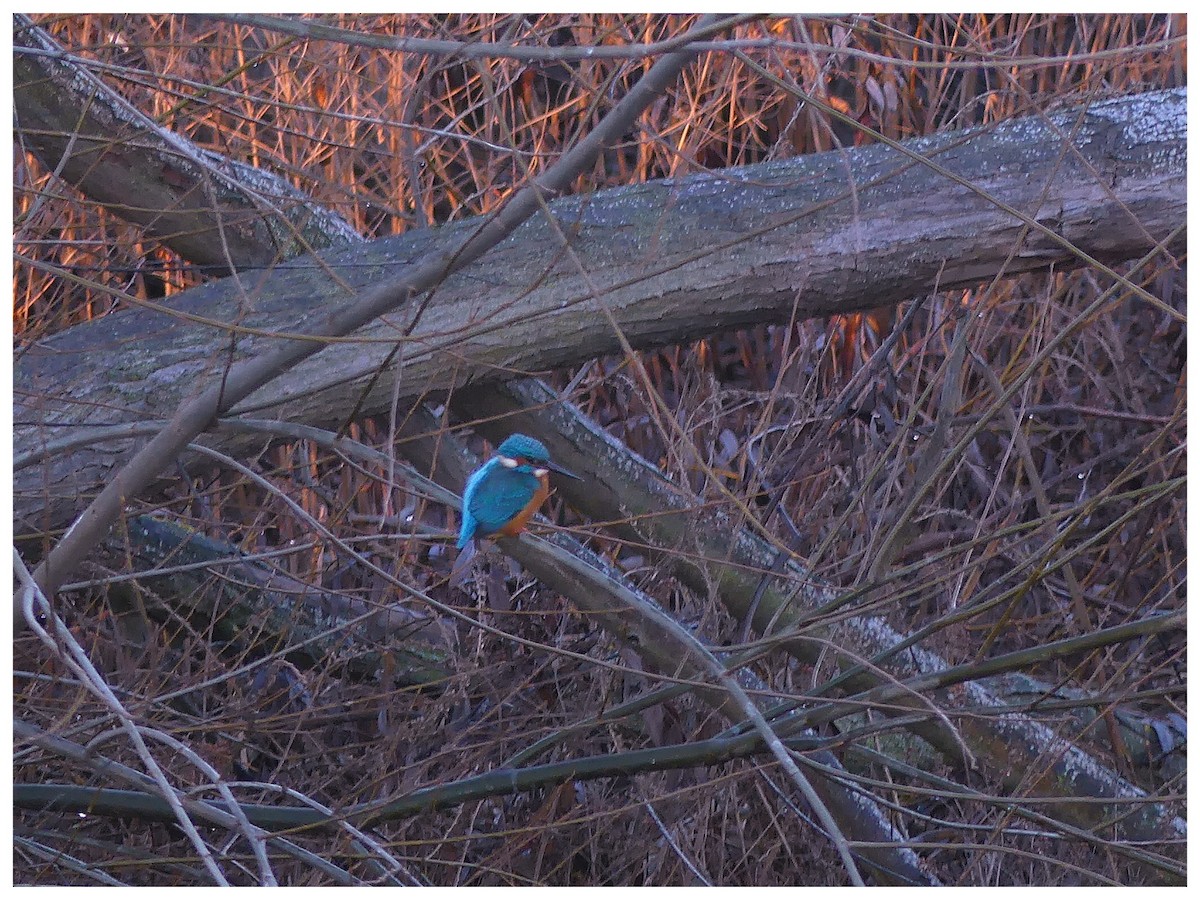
x,y
245,378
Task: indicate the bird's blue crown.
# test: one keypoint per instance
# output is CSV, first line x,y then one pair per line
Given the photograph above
x,y
524,446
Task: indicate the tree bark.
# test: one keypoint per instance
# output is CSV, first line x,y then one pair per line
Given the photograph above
x,y
217,212
671,260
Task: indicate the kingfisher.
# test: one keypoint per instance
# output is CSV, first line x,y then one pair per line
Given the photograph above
x,y
503,494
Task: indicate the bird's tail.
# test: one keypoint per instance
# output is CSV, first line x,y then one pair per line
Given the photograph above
x,y
462,565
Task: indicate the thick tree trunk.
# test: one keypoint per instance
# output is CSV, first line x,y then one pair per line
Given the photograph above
x,y
670,260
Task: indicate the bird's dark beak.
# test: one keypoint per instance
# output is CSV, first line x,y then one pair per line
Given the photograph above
x,y
560,470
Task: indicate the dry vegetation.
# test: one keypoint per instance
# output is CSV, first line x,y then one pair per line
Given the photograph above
x,y
1063,516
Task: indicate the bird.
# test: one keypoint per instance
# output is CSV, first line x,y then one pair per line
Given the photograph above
x,y
502,495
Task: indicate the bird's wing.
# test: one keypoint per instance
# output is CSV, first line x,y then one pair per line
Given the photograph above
x,y
506,494
470,523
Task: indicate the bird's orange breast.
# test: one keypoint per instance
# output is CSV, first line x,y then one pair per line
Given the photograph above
x,y
516,524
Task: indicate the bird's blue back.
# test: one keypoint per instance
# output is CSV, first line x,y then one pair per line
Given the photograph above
x,y
493,496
